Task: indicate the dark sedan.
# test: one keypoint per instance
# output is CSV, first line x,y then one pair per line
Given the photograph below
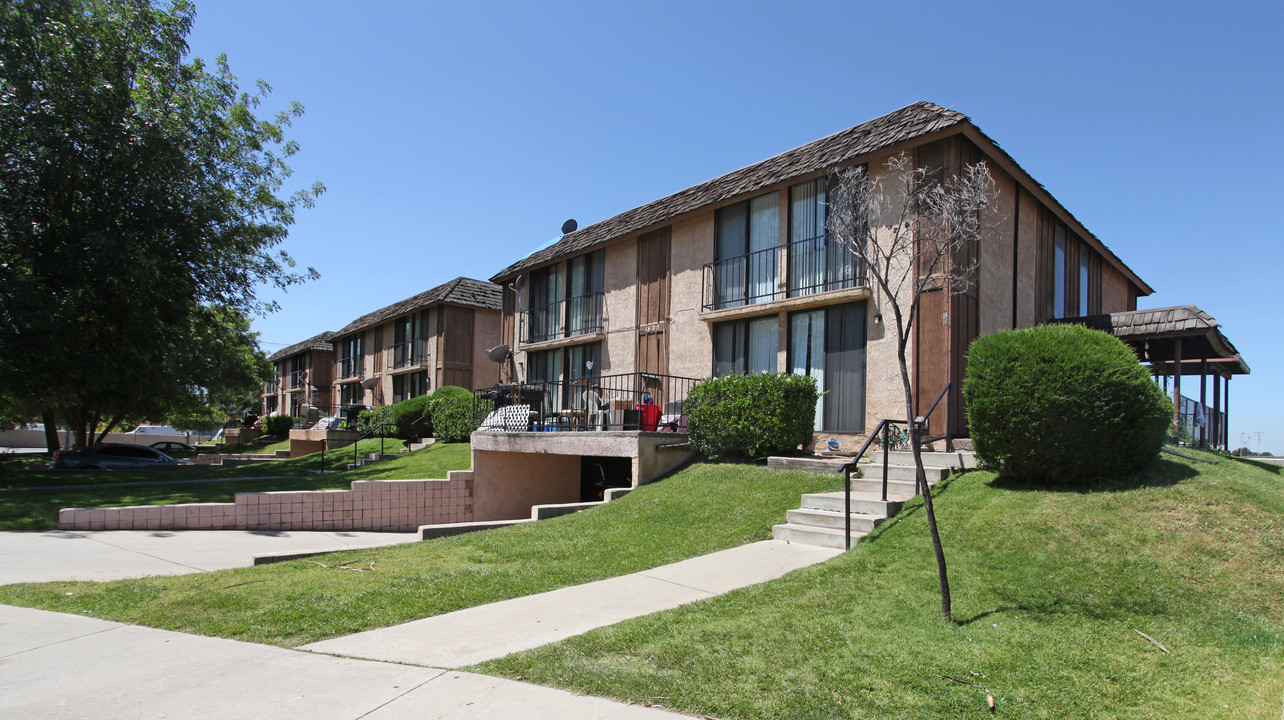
x,y
113,456
169,447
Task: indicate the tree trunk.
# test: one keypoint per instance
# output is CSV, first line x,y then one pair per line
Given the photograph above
x,y
916,444
51,430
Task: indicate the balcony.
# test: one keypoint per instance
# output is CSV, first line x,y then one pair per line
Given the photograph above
x,y
815,265
581,315
296,380
351,368
409,354
623,402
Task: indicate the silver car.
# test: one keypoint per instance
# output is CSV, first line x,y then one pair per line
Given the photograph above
x,y
114,456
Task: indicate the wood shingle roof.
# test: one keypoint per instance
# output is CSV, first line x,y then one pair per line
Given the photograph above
x,y
316,342
460,291
909,122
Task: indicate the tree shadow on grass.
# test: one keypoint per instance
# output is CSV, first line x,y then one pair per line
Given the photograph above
x,y
1162,472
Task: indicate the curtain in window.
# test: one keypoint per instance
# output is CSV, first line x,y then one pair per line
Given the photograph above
x,y
728,344
1085,262
845,368
807,352
764,236
764,343
729,272
1059,273
584,283
807,238
578,358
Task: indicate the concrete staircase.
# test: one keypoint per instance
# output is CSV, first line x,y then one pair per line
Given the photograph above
x,y
819,520
418,445
370,459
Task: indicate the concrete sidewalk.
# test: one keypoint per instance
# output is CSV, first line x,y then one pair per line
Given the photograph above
x,y
492,631
115,554
65,666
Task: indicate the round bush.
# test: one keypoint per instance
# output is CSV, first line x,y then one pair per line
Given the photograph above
x,y
454,416
751,416
407,414
1062,404
279,425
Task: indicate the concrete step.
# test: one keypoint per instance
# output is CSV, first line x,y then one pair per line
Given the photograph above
x,y
862,502
904,473
376,457
810,464
956,460
809,535
811,517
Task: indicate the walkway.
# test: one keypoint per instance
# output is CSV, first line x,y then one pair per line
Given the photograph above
x,y
55,665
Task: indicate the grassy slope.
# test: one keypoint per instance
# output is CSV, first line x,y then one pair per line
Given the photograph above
x,y
1050,588
698,510
38,509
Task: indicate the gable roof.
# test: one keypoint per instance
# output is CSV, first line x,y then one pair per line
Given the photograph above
x,y
908,123
316,342
1151,332
460,291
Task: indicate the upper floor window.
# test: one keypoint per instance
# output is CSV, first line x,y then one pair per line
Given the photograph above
x,y
816,264
351,356
748,234
585,280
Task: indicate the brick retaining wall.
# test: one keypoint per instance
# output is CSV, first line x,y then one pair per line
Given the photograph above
x,y
388,505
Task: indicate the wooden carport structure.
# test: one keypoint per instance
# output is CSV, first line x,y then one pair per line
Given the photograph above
x,y
1176,342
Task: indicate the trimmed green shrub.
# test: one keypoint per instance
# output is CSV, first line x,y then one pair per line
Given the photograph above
x,y
406,416
368,420
1062,404
279,425
751,416
454,416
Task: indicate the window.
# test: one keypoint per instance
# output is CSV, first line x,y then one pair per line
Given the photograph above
x,y
543,367
747,236
829,345
351,394
544,315
583,362
352,360
746,346
1085,273
816,264
408,386
584,285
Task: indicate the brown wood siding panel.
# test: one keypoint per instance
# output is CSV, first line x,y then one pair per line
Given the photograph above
x,y
1045,266
932,355
1094,284
457,347
508,325
653,303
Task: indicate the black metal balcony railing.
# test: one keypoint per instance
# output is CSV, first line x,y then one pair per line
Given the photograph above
x,y
272,388
741,280
814,265
411,353
296,380
351,367
580,315
628,401
819,265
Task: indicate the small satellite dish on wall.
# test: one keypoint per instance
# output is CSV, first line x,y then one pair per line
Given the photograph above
x,y
369,383
498,354
569,226
519,283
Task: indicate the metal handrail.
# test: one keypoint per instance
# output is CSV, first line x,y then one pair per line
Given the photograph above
x,y
949,413
884,428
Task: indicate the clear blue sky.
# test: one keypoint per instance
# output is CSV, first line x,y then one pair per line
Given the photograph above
x,y
455,138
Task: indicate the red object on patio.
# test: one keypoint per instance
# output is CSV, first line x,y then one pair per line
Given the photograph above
x,y
650,417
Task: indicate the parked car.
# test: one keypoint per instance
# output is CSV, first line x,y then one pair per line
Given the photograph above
x,y
169,447
113,456
154,430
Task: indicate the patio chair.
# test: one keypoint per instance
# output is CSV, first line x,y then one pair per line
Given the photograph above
x,y
597,410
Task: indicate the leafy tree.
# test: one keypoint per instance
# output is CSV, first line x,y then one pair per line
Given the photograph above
x,y
141,205
915,232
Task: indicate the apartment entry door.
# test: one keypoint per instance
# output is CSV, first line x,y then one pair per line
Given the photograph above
x,y
829,345
653,311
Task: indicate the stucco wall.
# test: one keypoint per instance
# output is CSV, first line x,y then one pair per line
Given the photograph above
x,y
619,281
690,339
1114,289
994,276
509,483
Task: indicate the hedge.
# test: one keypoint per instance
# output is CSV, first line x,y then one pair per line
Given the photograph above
x,y
454,416
1062,404
751,416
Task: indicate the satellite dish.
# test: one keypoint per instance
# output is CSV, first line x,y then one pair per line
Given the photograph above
x,y
519,284
498,354
569,226
369,383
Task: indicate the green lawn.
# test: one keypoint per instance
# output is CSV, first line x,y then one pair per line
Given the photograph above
x,y
699,510
37,509
1050,590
